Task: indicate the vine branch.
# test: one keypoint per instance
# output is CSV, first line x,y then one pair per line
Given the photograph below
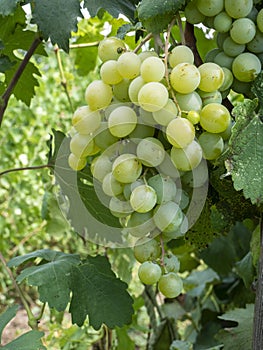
x,y
25,168
147,38
9,90
190,41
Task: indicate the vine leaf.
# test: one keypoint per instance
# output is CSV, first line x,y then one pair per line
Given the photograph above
x,y
7,7
114,7
52,277
100,295
257,89
28,341
57,19
155,15
239,337
246,152
6,317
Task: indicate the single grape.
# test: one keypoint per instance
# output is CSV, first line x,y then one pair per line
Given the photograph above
x,y
111,187
142,131
81,145
100,167
180,132
246,67
223,60
260,20
150,152
228,80
119,207
126,168
168,216
152,69
231,48
187,158
98,94
192,14
185,78
189,102
109,72
180,54
148,53
211,54
143,198
122,121
166,114
153,96
86,121
212,145
129,65
170,285
165,188
134,88
147,250
171,263
121,90
222,22
210,97
110,49
238,8
193,117
210,7
243,30
128,188
149,272
103,137
256,45
140,224
214,118
212,76
76,163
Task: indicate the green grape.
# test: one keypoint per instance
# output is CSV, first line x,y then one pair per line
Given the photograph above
x,y
214,118
153,96
170,285
76,163
168,216
145,54
189,102
119,207
209,22
228,80
253,14
86,121
210,55
187,158
238,8
241,87
81,145
243,30
98,94
150,152
193,117
142,131
171,263
180,54
260,20
222,22
210,8
129,65
192,14
227,133
231,48
166,114
212,145
246,67
210,97
126,168
103,137
140,224
100,167
121,90
147,117
134,88
110,49
111,187
122,121
167,168
143,198
182,198
109,72
220,38
128,188
147,250
152,69
180,132
256,45
185,78
149,272
224,60
198,177
165,188
212,76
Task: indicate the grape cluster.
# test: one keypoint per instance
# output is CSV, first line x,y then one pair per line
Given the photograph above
x,y
146,127
239,28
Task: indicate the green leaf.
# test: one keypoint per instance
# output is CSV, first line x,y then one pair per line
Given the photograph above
x,y
56,20
155,15
98,293
6,317
181,345
8,7
240,337
124,341
5,63
245,269
257,89
114,7
52,278
196,282
28,341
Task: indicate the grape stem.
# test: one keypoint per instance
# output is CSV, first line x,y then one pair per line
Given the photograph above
x,y
83,45
143,41
26,168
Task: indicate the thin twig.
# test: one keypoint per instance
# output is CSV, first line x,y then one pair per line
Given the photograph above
x,y
143,41
8,92
26,168
83,45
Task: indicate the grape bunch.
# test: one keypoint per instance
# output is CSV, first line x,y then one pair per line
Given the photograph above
x,y
146,127
239,28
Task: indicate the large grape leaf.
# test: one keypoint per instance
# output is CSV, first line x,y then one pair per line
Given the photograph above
x,y
245,158
56,20
6,317
155,15
53,277
28,341
114,7
240,337
100,295
7,7
257,88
